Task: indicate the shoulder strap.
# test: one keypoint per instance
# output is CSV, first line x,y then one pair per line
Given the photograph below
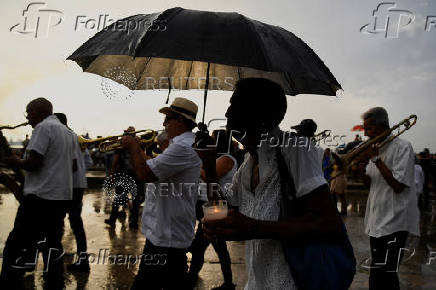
x,y
287,187
286,179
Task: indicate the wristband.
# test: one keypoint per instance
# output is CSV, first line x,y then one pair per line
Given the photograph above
x,y
254,228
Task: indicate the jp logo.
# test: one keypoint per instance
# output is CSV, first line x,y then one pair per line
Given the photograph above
x,y
37,20
28,259
120,188
388,20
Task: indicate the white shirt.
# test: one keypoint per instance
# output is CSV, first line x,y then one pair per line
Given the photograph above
x,y
84,161
225,181
56,143
265,261
202,191
388,212
419,179
305,163
168,218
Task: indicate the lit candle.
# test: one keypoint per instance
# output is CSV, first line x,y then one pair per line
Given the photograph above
x,y
215,212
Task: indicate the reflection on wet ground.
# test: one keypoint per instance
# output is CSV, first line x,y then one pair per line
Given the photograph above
x,y
418,268
114,251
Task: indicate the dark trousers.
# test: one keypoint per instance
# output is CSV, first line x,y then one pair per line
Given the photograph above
x,y
198,248
386,254
38,227
161,268
74,215
134,210
136,202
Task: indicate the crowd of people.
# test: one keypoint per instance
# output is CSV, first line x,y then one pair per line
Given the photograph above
x,y
280,198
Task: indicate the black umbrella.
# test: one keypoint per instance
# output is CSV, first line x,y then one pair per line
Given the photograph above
x,y
187,49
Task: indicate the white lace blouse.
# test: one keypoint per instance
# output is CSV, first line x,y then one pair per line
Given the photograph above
x,y
265,262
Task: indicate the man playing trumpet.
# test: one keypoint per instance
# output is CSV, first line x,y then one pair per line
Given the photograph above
x,y
168,217
48,187
391,211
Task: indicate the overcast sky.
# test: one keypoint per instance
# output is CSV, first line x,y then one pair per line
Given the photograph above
x,y
397,73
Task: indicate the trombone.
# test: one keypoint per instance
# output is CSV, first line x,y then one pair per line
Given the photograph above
x,y
322,135
348,160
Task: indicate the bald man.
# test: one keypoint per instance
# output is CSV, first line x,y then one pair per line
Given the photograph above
x,y
48,185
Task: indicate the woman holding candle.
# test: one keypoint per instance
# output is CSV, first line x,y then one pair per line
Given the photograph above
x,y
256,109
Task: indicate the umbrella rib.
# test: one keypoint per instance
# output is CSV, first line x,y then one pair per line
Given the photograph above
x,y
261,44
189,74
148,59
291,83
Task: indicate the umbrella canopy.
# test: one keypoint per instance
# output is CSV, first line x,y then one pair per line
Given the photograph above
x,y
179,48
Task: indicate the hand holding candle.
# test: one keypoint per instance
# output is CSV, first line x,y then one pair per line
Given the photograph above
x,y
215,210
234,227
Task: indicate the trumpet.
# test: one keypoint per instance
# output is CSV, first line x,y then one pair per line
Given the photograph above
x,y
114,143
13,181
322,135
348,160
13,127
85,143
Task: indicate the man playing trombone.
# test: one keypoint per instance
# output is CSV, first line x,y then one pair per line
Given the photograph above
x,y
391,211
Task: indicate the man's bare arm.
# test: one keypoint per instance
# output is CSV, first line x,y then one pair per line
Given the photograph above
x,y
33,163
138,160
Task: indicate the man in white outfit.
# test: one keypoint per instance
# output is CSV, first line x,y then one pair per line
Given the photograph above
x,y
391,211
48,188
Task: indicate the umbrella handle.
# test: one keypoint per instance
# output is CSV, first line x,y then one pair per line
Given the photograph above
x,y
169,90
206,86
202,138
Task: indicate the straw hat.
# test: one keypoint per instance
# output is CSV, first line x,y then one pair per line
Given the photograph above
x,y
183,107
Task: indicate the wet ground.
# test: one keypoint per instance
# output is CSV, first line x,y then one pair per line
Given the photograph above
x,y
109,271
